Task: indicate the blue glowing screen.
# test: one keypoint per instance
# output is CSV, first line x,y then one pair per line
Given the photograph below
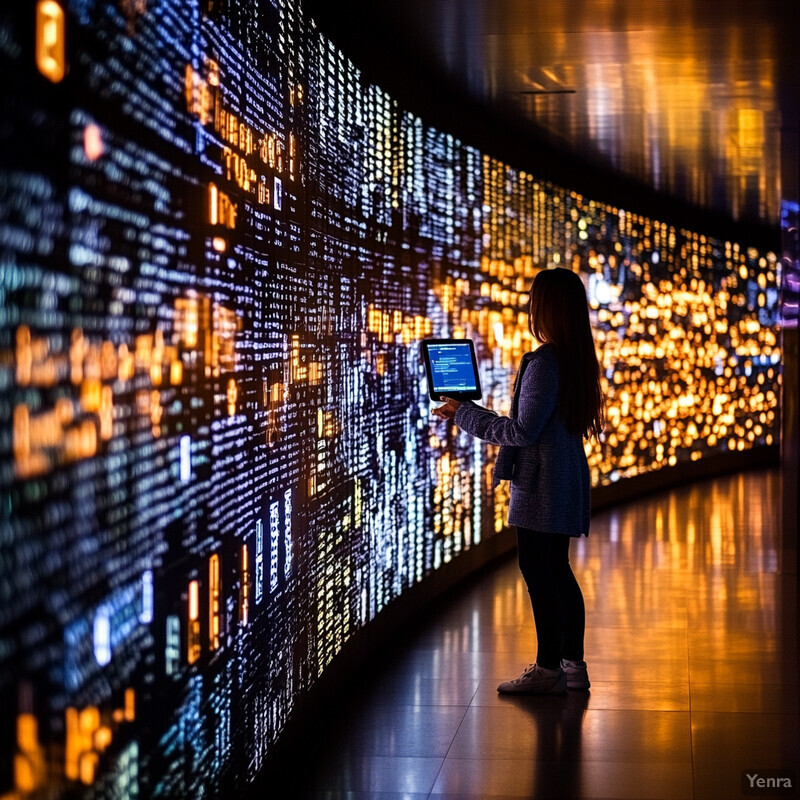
x,y
451,367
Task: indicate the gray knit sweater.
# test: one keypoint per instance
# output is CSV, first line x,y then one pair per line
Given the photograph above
x,y
545,463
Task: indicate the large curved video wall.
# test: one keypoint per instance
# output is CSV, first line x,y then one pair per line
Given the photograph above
x,y
220,247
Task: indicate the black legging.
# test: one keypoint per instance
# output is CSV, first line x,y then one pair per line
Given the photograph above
x,y
558,610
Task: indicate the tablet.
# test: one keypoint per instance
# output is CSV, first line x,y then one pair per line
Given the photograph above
x,y
452,369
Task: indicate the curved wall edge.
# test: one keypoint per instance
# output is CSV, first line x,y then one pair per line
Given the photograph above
x,y
399,617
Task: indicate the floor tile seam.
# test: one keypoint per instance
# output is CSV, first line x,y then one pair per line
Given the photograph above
x,y
450,747
788,713
499,760
420,706
749,683
642,710
587,757
778,714
645,709
691,714
441,766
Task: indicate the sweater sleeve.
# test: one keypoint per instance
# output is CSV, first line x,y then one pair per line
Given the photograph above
x,y
537,401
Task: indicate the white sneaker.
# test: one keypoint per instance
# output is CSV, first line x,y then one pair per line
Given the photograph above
x,y
536,680
577,676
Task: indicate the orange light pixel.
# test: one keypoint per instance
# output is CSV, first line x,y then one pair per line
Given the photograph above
x,y
221,209
232,395
214,593
50,36
93,142
88,734
30,769
199,97
130,704
193,628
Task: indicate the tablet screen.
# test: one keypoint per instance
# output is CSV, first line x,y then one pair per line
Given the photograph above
x,y
452,369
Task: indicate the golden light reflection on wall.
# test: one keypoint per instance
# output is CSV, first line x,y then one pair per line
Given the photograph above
x,y
74,428
396,326
684,325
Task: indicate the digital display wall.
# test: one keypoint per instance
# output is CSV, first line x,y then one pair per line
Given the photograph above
x,y
220,247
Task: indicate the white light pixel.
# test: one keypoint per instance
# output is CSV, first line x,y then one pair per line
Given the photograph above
x,y
274,538
287,532
146,615
186,459
172,648
101,635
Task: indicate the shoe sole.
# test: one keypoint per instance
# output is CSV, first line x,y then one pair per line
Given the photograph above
x,y
579,687
578,680
529,691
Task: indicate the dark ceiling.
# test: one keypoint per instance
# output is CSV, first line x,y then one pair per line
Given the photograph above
x,y
683,109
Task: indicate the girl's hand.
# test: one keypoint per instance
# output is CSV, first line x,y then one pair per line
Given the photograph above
x,y
448,410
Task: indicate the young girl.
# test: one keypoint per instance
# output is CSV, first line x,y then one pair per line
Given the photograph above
x,y
557,402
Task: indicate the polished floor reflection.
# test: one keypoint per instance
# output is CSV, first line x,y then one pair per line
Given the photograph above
x,y
692,648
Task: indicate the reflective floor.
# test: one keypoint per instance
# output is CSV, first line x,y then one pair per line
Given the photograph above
x,y
692,647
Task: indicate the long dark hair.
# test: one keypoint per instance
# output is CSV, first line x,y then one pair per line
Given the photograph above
x,y
559,315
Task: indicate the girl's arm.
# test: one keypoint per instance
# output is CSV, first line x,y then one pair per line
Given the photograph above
x,y
537,402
